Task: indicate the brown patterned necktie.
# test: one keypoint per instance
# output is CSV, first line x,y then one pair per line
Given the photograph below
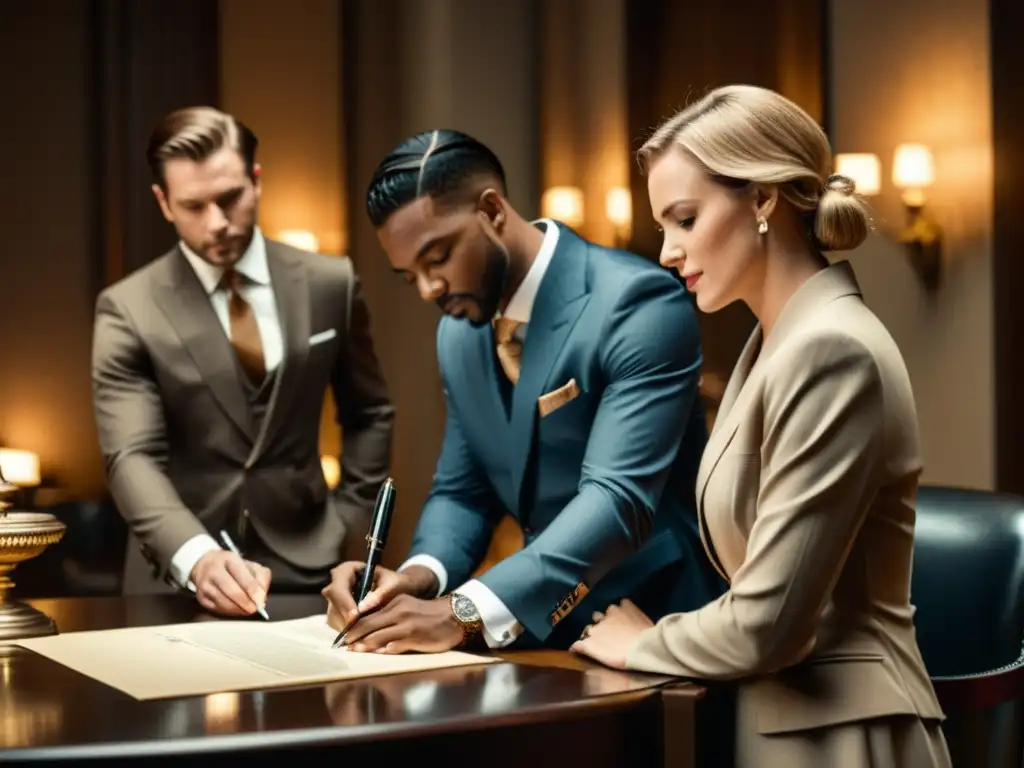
x,y
508,347
245,333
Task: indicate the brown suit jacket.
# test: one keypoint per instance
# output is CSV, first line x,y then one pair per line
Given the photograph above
x,y
182,453
806,497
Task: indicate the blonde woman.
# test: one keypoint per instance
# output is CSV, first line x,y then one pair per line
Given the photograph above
x,y
807,487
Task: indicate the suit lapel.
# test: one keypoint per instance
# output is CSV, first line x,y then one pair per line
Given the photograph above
x,y
485,358
291,294
189,311
560,300
829,284
730,412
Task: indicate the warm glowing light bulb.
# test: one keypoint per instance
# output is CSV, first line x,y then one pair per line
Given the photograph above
x,y
20,467
618,207
864,168
332,471
299,238
564,204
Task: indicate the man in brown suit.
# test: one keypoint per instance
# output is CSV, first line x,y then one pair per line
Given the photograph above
x,y
209,369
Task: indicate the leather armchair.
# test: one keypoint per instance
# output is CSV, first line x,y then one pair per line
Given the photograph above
x,y
968,587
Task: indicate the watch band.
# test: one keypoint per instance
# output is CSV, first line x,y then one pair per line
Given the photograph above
x,y
471,628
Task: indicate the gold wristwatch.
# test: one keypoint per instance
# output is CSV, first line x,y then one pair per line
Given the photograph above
x,y
468,617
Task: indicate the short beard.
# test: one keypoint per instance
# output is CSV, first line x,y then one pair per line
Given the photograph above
x,y
494,281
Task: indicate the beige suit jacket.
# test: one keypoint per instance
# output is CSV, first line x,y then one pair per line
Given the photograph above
x,y
183,455
806,497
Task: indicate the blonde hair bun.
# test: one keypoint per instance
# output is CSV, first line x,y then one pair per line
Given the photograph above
x,y
841,221
750,134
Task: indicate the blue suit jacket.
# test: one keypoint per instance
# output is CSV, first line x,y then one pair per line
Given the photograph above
x,y
603,486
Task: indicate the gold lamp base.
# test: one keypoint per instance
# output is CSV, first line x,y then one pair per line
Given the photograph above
x,y
23,535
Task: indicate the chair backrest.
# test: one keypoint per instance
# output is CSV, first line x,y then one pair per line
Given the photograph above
x,y
968,579
968,586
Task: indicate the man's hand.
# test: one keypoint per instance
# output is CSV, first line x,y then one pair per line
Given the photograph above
x,y
387,585
407,624
228,585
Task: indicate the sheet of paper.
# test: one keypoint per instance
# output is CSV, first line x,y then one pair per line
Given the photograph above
x,y
215,656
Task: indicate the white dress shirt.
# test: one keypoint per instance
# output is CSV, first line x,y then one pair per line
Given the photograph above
x,y
258,291
500,626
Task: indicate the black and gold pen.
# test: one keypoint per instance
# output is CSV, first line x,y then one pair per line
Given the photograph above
x,y
375,541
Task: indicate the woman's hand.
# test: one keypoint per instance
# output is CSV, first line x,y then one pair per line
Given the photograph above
x,y
610,637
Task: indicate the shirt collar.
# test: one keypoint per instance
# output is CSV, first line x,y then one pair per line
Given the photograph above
x,y
520,306
253,264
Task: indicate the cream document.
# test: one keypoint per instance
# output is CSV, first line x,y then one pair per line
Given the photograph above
x,y
215,656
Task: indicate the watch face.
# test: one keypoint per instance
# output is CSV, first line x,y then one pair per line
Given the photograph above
x,y
464,609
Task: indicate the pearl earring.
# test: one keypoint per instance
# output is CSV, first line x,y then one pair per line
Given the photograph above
x,y
762,225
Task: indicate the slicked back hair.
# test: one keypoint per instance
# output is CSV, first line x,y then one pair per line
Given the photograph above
x,y
437,163
196,133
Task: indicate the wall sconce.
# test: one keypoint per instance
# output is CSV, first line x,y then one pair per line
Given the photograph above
x,y
299,238
864,168
618,207
913,171
563,204
332,471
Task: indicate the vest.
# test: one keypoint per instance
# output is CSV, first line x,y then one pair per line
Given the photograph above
x,y
258,400
258,397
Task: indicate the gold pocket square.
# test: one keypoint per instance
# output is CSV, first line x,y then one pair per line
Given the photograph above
x,y
554,400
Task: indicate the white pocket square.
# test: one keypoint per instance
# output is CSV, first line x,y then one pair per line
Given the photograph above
x,y
320,338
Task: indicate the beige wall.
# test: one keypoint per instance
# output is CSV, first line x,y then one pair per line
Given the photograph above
x,y
281,75
903,71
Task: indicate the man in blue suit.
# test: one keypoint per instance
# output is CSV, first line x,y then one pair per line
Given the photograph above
x,y
570,374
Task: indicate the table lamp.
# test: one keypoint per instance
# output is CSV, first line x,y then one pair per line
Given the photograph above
x,y
23,535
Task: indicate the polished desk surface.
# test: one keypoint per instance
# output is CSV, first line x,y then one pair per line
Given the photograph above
x,y
48,711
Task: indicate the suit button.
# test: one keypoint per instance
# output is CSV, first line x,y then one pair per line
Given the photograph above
x,y
527,530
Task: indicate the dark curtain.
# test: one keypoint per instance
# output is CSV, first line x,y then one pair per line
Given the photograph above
x,y
148,58
1007,19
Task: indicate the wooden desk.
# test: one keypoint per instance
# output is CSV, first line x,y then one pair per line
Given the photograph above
x,y
538,709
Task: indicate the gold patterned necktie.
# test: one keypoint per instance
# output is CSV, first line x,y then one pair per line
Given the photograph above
x,y
508,347
245,333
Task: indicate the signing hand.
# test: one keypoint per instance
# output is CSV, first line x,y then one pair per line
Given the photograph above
x,y
228,585
610,637
341,605
407,624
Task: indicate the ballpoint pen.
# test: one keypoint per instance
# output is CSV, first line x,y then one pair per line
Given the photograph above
x,y
260,609
375,540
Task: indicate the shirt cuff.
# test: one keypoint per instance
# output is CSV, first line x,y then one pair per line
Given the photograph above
x,y
433,565
185,559
500,626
